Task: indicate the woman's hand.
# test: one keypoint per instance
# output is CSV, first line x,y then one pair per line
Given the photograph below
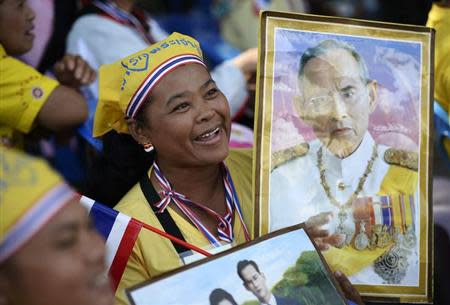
x,y
73,71
322,237
349,290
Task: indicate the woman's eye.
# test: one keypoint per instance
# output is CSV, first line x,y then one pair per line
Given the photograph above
x,y
181,107
212,92
66,242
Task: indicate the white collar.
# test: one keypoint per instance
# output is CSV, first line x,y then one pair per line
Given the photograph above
x,y
355,164
272,301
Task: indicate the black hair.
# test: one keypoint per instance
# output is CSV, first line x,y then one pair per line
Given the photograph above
x,y
244,263
220,294
116,169
119,166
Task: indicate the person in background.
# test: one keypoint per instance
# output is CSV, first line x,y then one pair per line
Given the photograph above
x,y
49,251
239,19
221,297
439,19
108,30
43,28
28,98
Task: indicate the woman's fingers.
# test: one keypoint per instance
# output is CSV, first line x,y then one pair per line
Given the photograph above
x,y
349,290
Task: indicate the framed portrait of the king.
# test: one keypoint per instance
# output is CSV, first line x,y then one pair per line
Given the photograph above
x,y
343,118
282,268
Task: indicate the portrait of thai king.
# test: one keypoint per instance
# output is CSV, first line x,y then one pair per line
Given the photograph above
x,y
345,109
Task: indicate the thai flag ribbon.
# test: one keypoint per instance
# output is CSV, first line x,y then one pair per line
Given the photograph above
x,y
225,222
120,232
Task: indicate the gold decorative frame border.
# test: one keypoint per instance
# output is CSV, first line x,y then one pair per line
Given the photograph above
x,y
269,21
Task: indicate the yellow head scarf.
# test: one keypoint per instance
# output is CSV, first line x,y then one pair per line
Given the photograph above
x,y
125,84
31,193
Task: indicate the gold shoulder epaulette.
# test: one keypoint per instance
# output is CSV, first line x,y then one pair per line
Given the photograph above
x,y
285,155
402,158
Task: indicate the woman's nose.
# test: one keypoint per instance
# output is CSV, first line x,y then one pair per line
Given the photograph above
x,y
95,247
205,111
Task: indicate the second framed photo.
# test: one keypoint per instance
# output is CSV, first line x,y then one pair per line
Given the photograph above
x,y
343,142
282,268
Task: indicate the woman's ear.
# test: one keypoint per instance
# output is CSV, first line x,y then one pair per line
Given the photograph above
x,y
138,131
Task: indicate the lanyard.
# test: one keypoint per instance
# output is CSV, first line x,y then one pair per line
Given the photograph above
x,y
224,228
123,17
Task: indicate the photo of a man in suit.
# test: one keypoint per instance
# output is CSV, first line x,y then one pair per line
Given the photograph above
x,y
255,282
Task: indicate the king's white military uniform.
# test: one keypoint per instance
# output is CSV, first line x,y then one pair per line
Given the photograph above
x,y
296,193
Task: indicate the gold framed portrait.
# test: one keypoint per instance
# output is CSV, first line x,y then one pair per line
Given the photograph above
x,y
343,128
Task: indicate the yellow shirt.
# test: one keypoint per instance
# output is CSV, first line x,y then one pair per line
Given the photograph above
x,y
23,92
439,19
152,254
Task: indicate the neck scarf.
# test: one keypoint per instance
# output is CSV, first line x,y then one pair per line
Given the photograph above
x,y
224,228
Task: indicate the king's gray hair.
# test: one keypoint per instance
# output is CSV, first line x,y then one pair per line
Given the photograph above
x,y
331,44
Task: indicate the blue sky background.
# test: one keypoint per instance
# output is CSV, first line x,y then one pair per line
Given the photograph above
x,y
193,286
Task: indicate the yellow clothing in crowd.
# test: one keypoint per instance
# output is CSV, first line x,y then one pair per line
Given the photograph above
x,y
153,254
31,193
439,19
23,92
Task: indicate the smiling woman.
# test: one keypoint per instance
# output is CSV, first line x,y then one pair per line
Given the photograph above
x,y
163,99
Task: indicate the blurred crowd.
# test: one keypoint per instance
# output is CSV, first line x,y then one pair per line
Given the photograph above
x,y
56,48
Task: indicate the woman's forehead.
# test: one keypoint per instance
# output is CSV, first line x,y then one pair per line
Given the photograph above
x,y
190,77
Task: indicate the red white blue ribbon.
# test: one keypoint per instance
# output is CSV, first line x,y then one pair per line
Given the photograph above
x,y
123,17
225,223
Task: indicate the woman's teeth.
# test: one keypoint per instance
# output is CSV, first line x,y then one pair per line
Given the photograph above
x,y
208,135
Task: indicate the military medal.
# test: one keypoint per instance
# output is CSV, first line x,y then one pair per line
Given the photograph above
x,y
362,240
343,229
392,265
342,215
398,217
410,239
